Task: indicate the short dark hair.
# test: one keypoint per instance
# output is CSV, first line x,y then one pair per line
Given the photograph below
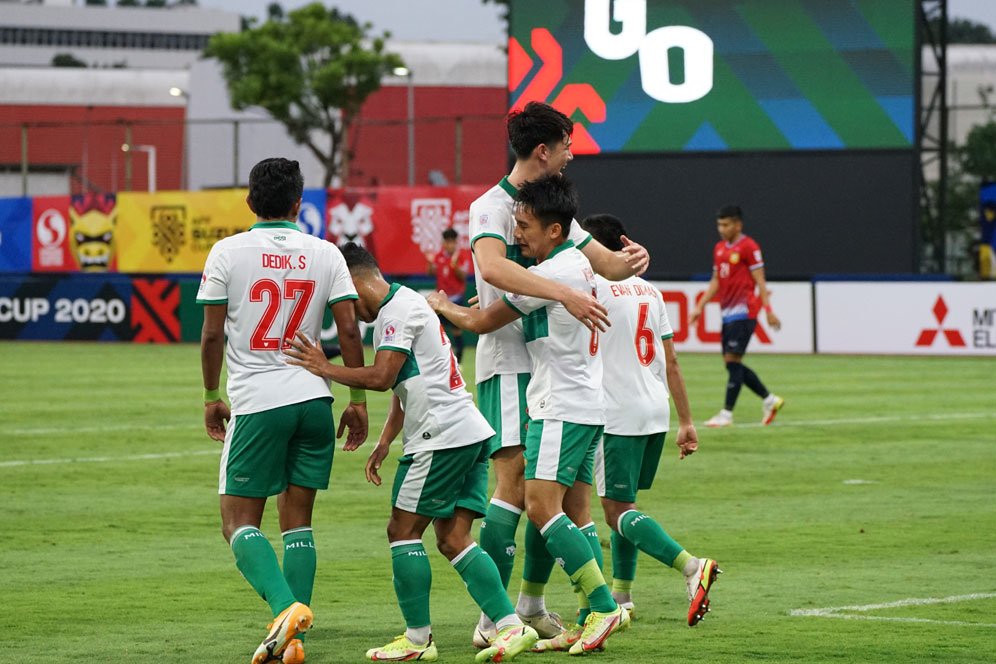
x,y
358,259
275,185
605,228
730,212
450,234
536,123
553,199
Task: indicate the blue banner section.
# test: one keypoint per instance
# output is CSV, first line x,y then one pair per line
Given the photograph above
x,y
66,307
311,218
15,234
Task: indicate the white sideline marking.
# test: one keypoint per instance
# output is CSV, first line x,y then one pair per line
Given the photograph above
x,y
860,481
883,419
104,428
105,459
838,611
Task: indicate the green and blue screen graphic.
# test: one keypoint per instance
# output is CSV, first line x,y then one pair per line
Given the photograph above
x,y
719,75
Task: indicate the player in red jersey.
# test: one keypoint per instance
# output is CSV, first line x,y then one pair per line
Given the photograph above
x,y
451,265
738,277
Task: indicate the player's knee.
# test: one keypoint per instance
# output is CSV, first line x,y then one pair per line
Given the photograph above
x,y
453,545
736,371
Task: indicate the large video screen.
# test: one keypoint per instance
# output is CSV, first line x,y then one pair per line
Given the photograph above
x,y
717,75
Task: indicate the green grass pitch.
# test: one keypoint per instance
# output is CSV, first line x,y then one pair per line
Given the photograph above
x,y
875,487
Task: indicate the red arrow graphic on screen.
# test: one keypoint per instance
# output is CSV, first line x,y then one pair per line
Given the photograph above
x,y
581,97
546,79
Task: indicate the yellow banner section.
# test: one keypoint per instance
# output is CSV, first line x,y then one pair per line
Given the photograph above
x,y
173,231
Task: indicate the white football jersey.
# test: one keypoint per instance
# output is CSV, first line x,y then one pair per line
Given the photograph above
x,y
635,378
566,382
439,411
491,215
275,280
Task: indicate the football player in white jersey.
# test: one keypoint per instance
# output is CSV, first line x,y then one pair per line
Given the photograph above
x,y
641,368
564,396
259,288
442,477
541,139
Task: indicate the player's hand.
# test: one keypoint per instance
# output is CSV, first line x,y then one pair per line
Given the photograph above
x,y
687,441
307,353
636,255
355,419
437,300
474,302
216,414
586,309
693,318
374,461
773,321
429,258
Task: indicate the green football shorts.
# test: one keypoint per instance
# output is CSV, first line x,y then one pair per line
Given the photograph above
x,y
502,401
627,464
561,451
266,451
436,482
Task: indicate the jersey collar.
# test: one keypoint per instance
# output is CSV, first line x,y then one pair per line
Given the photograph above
x,y
567,244
390,294
289,225
508,187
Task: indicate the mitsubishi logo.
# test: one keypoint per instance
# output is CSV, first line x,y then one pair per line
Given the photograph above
x,y
940,313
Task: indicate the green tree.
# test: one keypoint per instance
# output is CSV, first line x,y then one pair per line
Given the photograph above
x,y
67,60
128,3
965,31
311,70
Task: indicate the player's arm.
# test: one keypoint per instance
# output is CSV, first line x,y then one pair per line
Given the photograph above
x,y
710,292
479,321
687,440
509,276
392,427
431,261
354,417
380,376
762,288
617,265
216,411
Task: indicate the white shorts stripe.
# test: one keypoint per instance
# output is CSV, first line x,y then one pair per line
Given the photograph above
x,y
411,487
223,470
600,467
511,429
548,460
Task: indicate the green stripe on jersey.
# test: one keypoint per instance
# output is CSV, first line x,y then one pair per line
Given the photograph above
x,y
535,325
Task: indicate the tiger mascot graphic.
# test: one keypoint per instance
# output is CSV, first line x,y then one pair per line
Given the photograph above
x,y
92,218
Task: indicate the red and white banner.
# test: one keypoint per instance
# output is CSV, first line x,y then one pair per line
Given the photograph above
x,y
791,301
906,318
399,225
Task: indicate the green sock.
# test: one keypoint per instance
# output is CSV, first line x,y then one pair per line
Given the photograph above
x,y
255,558
584,606
591,534
624,554
538,563
412,581
300,560
567,544
480,574
648,536
498,538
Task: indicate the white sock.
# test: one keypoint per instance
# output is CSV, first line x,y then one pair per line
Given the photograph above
x,y
528,605
508,621
485,624
419,635
622,598
691,567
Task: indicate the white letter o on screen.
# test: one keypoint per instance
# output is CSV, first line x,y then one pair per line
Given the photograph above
x,y
633,16
654,72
